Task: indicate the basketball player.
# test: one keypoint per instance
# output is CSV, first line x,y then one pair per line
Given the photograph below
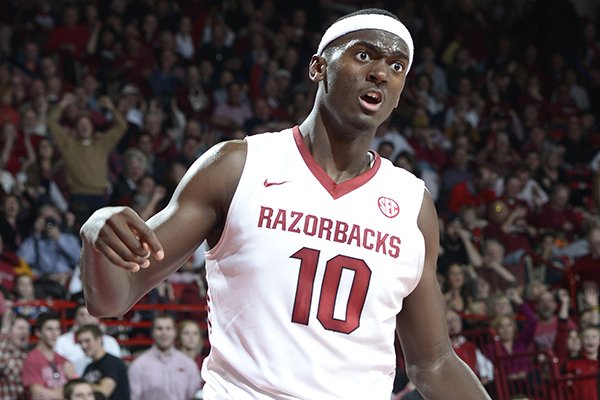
x,y
320,249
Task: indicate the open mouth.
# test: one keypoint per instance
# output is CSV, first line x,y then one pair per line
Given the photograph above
x,y
371,101
371,97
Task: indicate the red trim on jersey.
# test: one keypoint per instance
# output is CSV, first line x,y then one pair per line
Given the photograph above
x,y
336,190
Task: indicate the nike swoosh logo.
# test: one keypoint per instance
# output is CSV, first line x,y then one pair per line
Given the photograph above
x,y
267,183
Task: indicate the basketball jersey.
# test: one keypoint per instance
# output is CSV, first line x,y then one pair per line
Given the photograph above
x,y
307,279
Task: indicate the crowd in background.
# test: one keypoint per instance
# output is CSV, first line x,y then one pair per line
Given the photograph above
x,y
109,102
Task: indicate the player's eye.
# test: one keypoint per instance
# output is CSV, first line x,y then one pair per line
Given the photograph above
x,y
363,56
398,66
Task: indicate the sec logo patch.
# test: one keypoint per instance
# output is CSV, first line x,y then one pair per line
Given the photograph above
x,y
388,207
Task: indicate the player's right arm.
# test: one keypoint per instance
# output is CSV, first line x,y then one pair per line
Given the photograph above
x,y
124,257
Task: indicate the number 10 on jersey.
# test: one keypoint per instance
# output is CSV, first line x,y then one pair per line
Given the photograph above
x,y
330,290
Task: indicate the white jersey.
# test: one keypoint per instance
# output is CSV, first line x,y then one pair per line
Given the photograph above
x,y
308,277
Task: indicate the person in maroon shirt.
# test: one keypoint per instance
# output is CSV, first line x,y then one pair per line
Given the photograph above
x,y
511,222
70,38
585,364
556,215
587,268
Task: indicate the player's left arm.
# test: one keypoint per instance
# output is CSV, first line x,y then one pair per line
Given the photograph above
x,y
431,363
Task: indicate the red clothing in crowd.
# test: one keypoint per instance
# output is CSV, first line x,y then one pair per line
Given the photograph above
x,y
467,351
37,370
463,194
587,268
554,220
583,388
75,36
8,262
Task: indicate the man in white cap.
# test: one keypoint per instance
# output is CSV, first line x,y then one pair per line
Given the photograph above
x,y
320,250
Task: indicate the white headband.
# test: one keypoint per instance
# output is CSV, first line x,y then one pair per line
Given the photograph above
x,y
368,21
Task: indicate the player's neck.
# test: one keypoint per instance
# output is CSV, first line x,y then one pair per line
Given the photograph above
x,y
342,158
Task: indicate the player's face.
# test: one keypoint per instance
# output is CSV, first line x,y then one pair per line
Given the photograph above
x,y
365,76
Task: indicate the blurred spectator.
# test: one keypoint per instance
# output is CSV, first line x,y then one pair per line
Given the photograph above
x,y
499,304
24,291
587,304
130,104
551,170
390,133
184,41
547,326
530,191
164,78
17,148
234,111
51,251
458,170
456,246
14,340
190,340
134,169
163,371
68,347
10,266
458,287
427,142
467,350
107,373
514,340
558,216
85,154
262,119
70,37
511,224
194,97
477,192
43,180
587,267
544,264
216,46
148,197
163,144
585,363
79,389
493,268
44,371
499,154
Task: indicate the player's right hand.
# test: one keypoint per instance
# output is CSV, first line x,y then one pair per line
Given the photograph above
x,y
122,237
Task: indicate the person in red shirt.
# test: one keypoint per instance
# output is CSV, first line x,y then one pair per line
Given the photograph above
x,y
586,364
44,371
70,37
477,193
467,350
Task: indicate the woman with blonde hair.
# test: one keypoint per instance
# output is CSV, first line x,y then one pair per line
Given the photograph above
x,y
190,340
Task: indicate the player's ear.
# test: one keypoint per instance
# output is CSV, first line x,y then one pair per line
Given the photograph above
x,y
317,69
